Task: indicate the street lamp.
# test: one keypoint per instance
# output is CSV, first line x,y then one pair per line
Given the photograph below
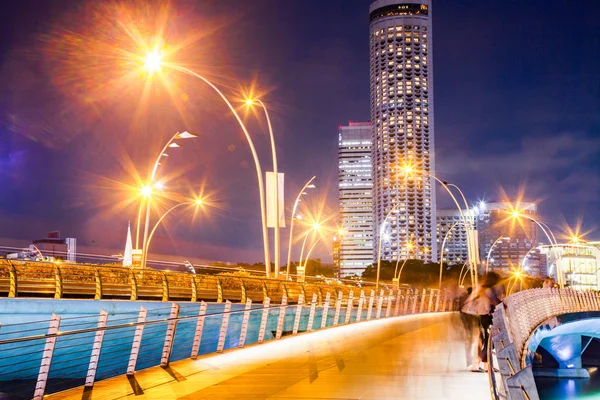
x,y
489,254
197,202
307,185
276,239
409,246
442,252
315,227
147,190
379,245
409,169
153,62
516,214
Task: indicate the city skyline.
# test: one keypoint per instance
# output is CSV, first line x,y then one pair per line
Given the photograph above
x,y
546,136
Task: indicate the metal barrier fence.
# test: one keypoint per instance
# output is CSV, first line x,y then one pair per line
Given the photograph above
x,y
68,352
62,280
513,324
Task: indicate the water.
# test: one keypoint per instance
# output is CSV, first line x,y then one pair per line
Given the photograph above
x,y
567,389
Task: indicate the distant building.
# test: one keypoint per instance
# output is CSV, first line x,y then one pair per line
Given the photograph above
x,y
494,221
54,246
401,88
355,198
579,264
455,249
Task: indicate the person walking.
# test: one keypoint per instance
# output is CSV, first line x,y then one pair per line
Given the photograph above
x,y
482,305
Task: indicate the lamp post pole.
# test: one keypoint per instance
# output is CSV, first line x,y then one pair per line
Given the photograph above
x,y
489,254
261,188
170,143
289,258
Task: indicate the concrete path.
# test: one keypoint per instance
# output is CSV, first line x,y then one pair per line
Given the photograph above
x,y
414,357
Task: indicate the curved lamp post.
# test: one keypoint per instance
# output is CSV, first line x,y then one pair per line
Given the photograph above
x,y
306,186
379,246
197,202
148,189
442,253
154,62
489,254
313,229
409,246
549,235
408,169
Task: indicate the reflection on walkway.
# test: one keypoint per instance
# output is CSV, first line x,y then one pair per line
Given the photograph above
x,y
415,357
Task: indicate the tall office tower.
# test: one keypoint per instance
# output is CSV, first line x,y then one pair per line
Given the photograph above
x,y
355,198
450,226
494,222
401,81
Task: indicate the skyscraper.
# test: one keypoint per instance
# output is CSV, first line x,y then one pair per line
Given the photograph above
x,y
355,239
401,81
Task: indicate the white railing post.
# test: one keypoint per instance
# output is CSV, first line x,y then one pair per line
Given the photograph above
x,y
361,303
311,315
137,340
415,301
224,325
96,347
338,308
199,329
40,387
245,320
430,305
298,315
263,320
398,297
388,310
281,319
170,335
325,310
406,301
370,309
422,305
379,304
349,307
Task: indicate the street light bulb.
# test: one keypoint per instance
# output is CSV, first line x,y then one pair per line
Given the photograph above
x,y
316,226
153,61
516,214
506,238
146,191
249,102
408,169
311,186
186,135
159,186
199,202
517,274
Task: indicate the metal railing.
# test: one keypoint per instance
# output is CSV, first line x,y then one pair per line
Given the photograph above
x,y
514,322
63,280
37,358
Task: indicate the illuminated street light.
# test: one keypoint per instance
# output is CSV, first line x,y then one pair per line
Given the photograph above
x,y
489,254
517,214
277,241
409,247
196,202
315,227
471,239
150,184
381,237
154,62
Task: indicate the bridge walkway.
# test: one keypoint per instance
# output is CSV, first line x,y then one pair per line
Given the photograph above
x,y
413,357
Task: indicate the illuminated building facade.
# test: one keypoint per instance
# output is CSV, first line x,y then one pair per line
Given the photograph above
x,y
455,249
494,221
401,87
579,264
355,239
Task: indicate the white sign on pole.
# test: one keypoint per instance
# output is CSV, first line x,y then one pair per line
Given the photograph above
x,y
274,197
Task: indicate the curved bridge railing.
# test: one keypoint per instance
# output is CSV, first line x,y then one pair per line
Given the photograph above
x,y
515,321
63,280
42,357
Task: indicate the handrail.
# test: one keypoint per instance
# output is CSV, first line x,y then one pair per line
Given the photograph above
x,y
69,350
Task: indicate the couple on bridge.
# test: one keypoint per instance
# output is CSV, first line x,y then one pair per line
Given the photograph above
x,y
476,308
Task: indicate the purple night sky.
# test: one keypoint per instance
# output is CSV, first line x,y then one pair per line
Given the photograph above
x,y
517,100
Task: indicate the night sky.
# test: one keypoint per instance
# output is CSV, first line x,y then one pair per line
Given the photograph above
x,y
517,105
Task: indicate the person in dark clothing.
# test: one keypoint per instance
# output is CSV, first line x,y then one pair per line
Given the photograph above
x,y
493,293
470,325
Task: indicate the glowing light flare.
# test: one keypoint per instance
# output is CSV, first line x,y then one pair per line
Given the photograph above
x,y
153,61
146,191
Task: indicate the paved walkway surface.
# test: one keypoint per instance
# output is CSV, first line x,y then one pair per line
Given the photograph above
x,y
414,357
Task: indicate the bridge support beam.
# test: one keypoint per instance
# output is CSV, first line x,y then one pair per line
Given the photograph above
x,y
567,351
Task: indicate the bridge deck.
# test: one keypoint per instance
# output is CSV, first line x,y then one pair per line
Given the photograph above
x,y
416,357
